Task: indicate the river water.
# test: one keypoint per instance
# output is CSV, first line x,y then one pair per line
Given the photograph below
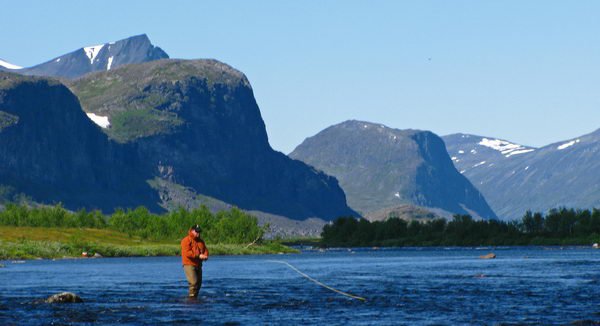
x,y
409,286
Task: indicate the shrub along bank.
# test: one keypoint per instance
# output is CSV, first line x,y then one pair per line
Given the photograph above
x,y
53,232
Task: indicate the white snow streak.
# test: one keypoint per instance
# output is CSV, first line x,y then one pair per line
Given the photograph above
x,y
569,144
99,120
92,51
9,65
478,164
461,152
522,151
397,194
507,149
58,60
109,63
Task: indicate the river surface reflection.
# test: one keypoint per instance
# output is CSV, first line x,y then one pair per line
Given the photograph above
x,y
408,286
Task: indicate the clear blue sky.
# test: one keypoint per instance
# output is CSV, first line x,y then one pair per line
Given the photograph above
x,y
526,71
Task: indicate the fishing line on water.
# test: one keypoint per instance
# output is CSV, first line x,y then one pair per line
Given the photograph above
x,y
317,282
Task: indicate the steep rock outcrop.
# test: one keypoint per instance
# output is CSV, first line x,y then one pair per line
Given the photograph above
x,y
52,152
196,123
379,167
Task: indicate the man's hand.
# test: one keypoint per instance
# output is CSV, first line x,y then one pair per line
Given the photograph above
x,y
203,257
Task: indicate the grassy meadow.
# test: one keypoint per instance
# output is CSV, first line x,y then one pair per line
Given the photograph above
x,y
58,242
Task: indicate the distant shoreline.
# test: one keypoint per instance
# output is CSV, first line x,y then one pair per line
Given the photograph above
x,y
35,250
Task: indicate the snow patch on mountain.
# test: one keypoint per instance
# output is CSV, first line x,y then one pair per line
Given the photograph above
x,y
110,60
568,144
92,52
506,148
9,65
102,121
521,151
478,164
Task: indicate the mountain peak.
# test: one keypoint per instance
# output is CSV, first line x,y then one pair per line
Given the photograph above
x,y
100,57
143,37
380,167
465,148
517,179
372,126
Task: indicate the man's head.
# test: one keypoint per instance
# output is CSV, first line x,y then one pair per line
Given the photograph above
x,y
196,230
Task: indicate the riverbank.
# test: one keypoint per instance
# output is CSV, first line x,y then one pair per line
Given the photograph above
x,y
51,243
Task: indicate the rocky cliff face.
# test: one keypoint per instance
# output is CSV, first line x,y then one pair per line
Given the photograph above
x,y
196,124
380,167
52,152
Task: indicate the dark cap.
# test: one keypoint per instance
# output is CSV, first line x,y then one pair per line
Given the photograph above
x,y
196,228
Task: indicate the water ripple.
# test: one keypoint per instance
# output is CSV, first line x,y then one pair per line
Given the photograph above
x,y
415,286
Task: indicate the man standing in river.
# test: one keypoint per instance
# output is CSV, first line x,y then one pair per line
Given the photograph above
x,y
193,253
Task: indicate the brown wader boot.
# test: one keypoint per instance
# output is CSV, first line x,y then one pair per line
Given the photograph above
x,y
194,278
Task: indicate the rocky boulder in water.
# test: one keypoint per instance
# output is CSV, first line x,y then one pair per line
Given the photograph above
x,y
488,256
64,297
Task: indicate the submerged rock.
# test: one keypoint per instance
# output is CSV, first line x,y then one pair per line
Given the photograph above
x,y
488,256
64,297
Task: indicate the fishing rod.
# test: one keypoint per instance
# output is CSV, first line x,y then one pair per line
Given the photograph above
x,y
317,282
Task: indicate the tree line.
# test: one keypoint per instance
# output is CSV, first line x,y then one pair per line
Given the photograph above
x,y
558,226
233,226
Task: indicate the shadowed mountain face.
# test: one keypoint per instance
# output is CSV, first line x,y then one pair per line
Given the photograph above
x,y
50,150
526,178
379,167
102,57
197,124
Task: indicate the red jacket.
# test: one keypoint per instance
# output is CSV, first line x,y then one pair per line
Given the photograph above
x,y
191,249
